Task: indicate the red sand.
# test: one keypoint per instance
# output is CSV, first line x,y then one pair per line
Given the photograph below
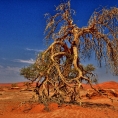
x,y
9,108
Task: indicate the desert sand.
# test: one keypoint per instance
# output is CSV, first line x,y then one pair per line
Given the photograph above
x,y
15,103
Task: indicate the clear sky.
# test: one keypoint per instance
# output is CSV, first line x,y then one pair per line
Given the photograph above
x,y
22,25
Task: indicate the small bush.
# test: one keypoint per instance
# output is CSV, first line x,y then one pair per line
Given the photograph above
x,y
13,85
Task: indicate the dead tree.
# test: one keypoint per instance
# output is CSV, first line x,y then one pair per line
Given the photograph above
x,y
60,64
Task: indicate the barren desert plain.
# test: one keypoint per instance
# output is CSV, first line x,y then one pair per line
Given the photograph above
x,y
18,103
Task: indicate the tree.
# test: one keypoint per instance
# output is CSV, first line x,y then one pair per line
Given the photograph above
x,y
59,68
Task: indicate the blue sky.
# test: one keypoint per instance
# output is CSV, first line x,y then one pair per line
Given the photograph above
x,y
22,25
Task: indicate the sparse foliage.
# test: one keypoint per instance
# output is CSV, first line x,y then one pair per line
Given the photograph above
x,y
27,84
14,85
58,70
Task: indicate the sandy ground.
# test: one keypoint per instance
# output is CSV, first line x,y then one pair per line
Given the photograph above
x,y
15,104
